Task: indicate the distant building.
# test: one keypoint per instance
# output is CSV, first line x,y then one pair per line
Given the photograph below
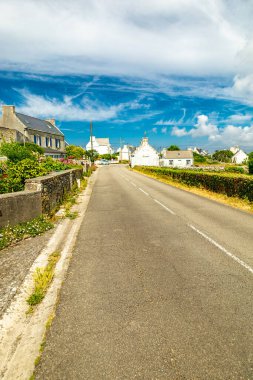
x,y
124,153
17,127
200,151
177,158
234,149
239,157
144,155
101,145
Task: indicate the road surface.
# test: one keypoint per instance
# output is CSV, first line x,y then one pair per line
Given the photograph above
x,y
159,287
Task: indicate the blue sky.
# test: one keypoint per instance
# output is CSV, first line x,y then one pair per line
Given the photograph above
x,y
178,70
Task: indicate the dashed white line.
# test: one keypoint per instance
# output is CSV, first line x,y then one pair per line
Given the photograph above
x,y
133,184
143,191
166,208
235,258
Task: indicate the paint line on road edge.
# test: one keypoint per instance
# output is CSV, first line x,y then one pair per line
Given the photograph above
x,y
143,191
165,207
235,258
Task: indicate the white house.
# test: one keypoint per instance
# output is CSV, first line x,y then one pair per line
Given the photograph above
x,y
234,149
177,158
144,155
124,153
200,151
101,145
239,157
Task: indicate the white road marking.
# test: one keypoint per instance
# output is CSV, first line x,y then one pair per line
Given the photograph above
x,y
235,258
143,191
166,208
133,184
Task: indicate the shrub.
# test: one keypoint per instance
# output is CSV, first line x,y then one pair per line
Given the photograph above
x,y
250,165
235,169
232,185
17,152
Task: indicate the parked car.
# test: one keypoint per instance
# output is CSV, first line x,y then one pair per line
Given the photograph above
x,y
104,162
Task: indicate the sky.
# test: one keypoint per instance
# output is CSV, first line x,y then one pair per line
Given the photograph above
x,y
180,71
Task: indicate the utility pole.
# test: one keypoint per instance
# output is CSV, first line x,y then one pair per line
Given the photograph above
x,y
91,141
120,143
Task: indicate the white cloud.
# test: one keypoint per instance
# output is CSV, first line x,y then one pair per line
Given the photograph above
x,y
133,37
65,109
154,130
164,130
239,118
229,135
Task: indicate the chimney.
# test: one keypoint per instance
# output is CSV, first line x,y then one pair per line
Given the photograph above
x,y
52,121
7,115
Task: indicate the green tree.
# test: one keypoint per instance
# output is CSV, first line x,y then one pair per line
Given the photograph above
x,y
198,158
173,147
223,155
74,151
250,166
250,155
92,155
106,156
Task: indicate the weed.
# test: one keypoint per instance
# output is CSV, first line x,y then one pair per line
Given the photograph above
x,y
42,279
13,234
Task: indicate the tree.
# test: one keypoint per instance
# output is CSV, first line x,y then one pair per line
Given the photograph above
x,y
198,158
250,166
250,155
92,155
74,151
223,155
173,147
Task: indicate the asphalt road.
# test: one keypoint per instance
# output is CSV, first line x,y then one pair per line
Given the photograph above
x,y
159,287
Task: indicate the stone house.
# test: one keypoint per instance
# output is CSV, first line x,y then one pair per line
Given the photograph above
x,y
144,155
177,158
101,145
15,126
124,153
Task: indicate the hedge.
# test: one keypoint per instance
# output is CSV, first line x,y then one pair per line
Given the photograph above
x,y
232,185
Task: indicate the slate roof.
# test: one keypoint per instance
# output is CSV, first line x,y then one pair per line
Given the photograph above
x,y
38,124
178,154
103,141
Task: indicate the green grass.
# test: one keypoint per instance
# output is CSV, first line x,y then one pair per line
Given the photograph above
x,y
42,280
12,234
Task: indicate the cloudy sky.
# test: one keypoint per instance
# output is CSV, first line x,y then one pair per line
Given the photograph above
x,y
181,70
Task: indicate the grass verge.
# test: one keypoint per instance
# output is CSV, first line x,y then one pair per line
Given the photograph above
x,y
42,280
13,234
242,204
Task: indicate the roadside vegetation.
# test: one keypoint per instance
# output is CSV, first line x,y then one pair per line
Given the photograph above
x,y
235,189
12,234
42,280
24,162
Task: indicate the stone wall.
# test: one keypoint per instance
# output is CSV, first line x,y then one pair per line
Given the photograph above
x,y
41,196
54,187
19,207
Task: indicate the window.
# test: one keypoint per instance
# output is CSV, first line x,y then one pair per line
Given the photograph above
x,y
47,141
188,162
39,140
57,143
35,139
170,162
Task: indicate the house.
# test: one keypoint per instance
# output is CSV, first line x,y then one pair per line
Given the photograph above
x,y
234,149
22,128
144,155
200,151
177,158
239,157
124,153
101,145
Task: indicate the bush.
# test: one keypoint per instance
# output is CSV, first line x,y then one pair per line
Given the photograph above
x,y
17,152
232,185
250,165
235,169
